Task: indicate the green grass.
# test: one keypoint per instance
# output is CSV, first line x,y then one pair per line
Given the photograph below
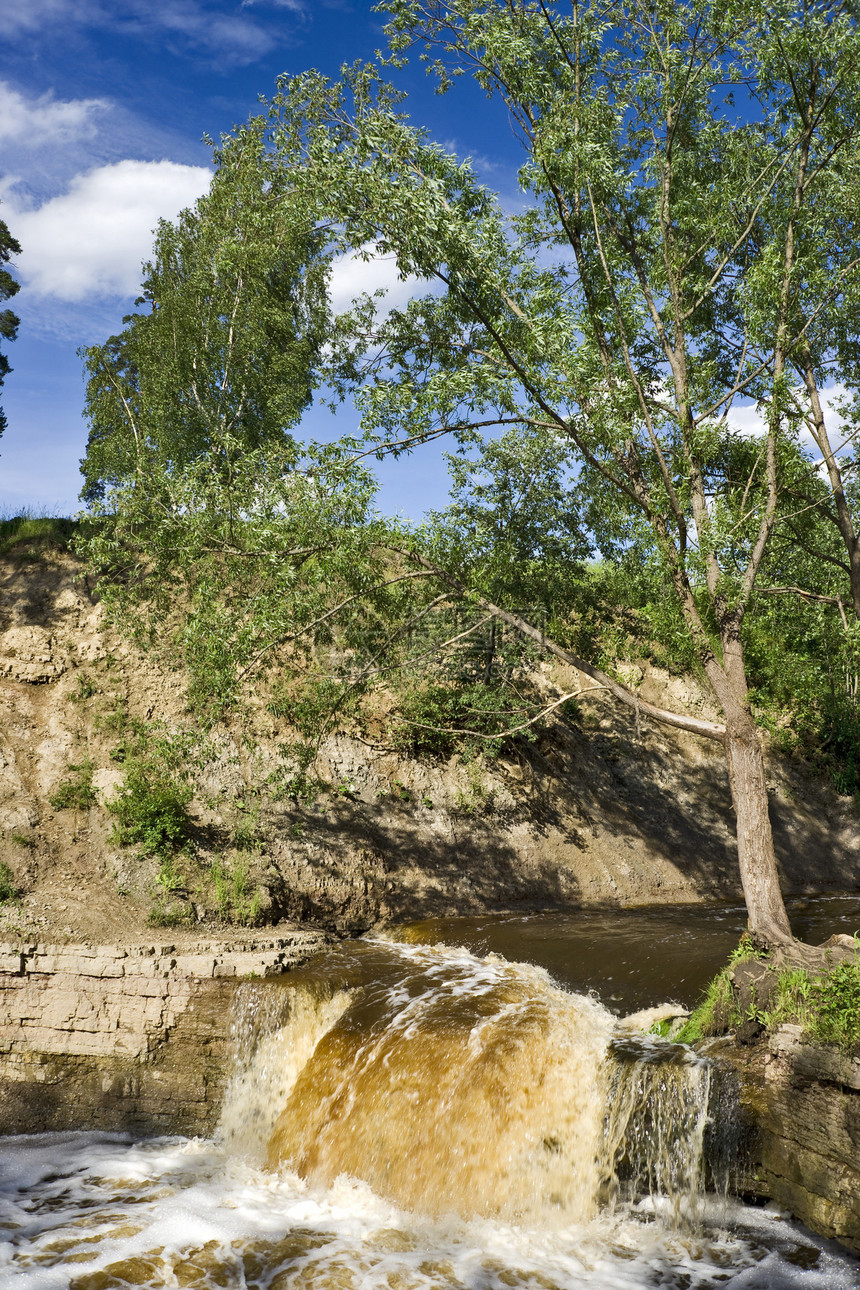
x,y
8,890
235,893
41,532
825,1004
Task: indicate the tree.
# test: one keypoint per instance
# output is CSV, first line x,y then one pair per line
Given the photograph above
x,y
222,362
679,161
9,322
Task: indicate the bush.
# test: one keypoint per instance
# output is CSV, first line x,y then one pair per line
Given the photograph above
x,y
77,792
151,809
439,718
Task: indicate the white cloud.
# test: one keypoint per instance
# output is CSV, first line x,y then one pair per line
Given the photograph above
x,y
294,6
40,122
36,14
202,24
352,276
90,240
748,421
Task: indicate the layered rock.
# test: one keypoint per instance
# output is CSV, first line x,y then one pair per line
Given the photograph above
x,y
125,1038
803,1106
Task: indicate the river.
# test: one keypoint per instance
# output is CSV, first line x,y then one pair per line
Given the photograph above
x,y
449,1106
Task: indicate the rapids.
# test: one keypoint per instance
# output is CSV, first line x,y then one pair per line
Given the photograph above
x,y
415,1117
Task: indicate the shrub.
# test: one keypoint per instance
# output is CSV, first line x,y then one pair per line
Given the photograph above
x,y
439,718
151,809
77,792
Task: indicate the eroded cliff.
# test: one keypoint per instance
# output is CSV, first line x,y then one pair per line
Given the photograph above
x,y
596,812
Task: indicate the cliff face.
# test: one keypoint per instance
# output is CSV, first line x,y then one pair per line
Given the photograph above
x,y
803,1106
597,814
115,1038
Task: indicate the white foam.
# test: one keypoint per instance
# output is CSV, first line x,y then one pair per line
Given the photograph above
x,y
183,1194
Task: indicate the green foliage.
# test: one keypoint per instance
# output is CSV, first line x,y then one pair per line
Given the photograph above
x,y
151,806
717,1010
151,810
835,1007
76,793
437,718
236,894
311,703
686,239
826,1004
516,523
8,890
238,575
221,360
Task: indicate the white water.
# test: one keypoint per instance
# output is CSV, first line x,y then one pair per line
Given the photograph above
x,y
494,1139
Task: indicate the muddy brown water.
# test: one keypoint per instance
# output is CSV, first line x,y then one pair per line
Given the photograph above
x,y
631,958
449,1107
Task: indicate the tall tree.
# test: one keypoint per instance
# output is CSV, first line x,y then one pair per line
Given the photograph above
x,y
9,321
678,158
221,360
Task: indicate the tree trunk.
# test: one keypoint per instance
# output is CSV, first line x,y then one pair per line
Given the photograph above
x,y
756,857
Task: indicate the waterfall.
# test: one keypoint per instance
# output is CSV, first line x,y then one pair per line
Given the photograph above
x,y
657,1112
415,1118
456,1084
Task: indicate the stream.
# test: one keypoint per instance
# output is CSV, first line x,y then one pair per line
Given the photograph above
x,y
451,1105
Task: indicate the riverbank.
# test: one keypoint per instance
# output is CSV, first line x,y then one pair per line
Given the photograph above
x,y
596,814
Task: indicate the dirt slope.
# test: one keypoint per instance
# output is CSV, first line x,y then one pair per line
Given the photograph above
x,y
598,816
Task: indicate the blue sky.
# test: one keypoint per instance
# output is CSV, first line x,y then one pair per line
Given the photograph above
x,y
103,105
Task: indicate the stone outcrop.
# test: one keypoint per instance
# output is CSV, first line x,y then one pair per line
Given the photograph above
x,y
802,1103
134,1038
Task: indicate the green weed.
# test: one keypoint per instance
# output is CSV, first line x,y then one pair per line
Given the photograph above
x,y
246,834
76,793
236,895
84,689
8,890
167,914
